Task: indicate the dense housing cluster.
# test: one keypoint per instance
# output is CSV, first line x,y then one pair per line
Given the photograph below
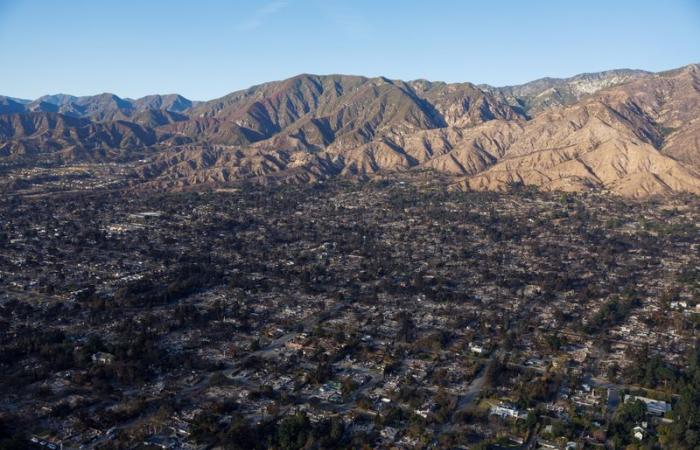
x,y
385,314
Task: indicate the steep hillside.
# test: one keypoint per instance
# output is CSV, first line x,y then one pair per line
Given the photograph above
x,y
637,139
537,96
60,137
632,133
9,105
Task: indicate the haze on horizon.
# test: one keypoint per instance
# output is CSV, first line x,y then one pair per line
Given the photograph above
x,y
206,49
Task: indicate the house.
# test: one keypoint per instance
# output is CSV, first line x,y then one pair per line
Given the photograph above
x,y
681,304
475,348
504,410
657,407
638,432
103,358
422,412
293,345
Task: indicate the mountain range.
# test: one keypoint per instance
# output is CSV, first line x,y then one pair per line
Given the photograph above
x,y
627,132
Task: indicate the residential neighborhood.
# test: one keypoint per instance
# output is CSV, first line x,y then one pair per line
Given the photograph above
x,y
385,314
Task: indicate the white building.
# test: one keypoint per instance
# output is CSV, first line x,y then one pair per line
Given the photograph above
x,y
658,407
504,410
478,349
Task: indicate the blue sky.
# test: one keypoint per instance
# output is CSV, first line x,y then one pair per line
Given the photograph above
x,y
205,48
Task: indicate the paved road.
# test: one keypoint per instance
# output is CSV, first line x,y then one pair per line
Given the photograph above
x,y
470,395
472,392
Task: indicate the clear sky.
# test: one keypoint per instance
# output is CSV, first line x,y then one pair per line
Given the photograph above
x,y
205,48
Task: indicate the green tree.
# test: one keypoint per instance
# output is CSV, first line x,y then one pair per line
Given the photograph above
x,y
293,432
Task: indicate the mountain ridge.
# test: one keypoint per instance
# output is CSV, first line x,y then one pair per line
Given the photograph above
x,y
630,132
